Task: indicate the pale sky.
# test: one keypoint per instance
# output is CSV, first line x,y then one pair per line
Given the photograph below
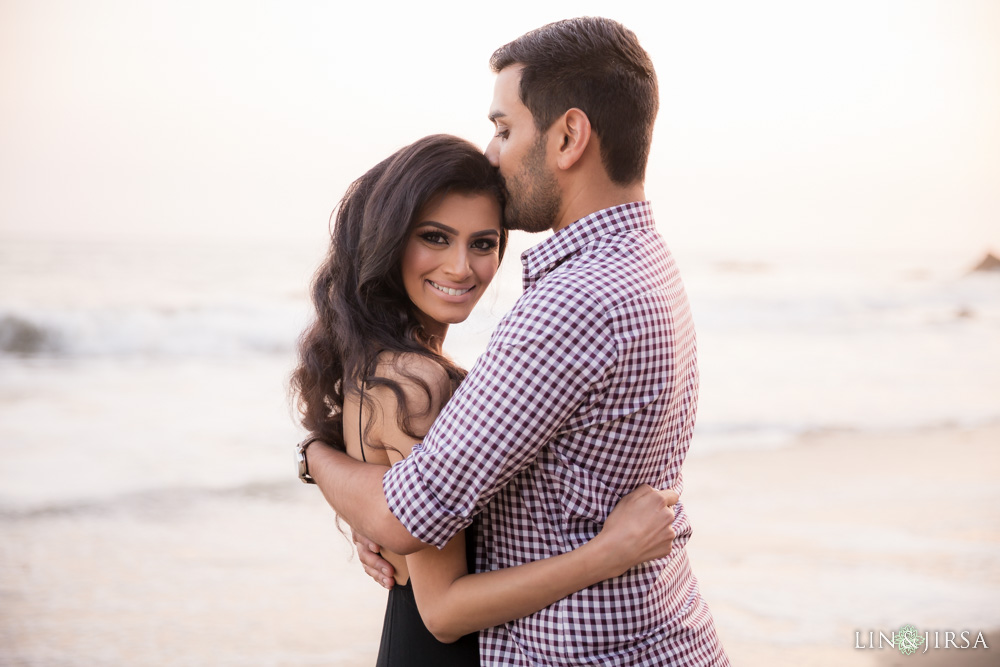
x,y
782,124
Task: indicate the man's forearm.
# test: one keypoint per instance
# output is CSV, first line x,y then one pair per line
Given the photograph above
x,y
354,490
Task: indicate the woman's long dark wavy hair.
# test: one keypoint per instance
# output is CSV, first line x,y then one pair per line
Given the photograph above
x,y
362,309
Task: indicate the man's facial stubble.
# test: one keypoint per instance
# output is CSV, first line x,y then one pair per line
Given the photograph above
x,y
533,195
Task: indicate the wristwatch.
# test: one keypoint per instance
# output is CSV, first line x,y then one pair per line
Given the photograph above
x,y
303,463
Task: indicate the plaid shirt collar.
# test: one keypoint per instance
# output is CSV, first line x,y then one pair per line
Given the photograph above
x,y
538,261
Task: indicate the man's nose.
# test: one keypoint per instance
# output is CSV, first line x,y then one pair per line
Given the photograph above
x,y
492,153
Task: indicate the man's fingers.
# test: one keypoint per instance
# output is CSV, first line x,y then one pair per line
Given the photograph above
x,y
365,554
364,544
377,568
367,558
380,578
375,561
371,559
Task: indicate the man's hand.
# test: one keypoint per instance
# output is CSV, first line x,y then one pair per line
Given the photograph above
x,y
377,567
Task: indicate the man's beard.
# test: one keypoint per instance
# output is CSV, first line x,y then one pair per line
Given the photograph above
x,y
533,196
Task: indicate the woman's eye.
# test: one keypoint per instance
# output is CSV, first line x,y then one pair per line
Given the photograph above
x,y
435,238
484,245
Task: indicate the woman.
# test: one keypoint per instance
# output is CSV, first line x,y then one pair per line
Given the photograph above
x,y
415,244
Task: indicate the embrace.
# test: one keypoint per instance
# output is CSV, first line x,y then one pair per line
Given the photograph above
x,y
530,515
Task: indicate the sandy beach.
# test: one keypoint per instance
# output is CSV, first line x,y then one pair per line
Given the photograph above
x,y
797,549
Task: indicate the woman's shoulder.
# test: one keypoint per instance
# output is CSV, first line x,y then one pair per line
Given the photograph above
x,y
406,367
416,375
408,391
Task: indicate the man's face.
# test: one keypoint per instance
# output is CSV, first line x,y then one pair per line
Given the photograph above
x,y
518,150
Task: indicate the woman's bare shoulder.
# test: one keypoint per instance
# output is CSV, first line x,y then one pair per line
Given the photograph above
x,y
407,394
416,374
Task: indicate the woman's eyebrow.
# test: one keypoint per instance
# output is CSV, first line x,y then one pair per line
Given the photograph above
x,y
453,231
442,227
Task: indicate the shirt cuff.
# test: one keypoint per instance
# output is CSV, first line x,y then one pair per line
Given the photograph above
x,y
416,506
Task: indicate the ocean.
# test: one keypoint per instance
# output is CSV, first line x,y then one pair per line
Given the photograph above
x,y
136,366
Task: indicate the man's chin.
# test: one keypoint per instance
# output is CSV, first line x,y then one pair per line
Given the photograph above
x,y
530,224
529,228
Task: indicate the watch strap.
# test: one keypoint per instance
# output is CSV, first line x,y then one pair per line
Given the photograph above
x,y
303,462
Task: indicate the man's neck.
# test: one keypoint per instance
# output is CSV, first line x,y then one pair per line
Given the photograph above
x,y
585,200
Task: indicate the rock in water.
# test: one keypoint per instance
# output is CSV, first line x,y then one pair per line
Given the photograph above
x,y
21,337
990,263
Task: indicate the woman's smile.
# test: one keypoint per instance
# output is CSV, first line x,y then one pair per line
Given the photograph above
x,y
451,291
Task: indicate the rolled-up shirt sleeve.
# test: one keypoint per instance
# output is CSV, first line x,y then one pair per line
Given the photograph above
x,y
549,358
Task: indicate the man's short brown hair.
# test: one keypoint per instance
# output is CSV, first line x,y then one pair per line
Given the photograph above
x,y
595,65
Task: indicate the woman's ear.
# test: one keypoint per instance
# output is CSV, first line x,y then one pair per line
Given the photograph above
x,y
574,127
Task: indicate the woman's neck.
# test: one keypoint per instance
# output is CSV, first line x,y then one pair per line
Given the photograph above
x,y
434,332
436,342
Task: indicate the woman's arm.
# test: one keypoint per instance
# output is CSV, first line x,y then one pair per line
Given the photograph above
x,y
453,602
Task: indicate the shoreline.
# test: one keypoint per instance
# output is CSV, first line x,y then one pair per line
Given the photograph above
x,y
796,549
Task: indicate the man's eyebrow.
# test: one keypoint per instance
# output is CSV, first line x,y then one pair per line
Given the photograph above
x,y
496,114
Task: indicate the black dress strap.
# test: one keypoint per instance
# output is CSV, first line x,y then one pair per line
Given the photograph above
x,y
361,433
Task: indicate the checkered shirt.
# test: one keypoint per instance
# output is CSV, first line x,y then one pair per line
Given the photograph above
x,y
588,388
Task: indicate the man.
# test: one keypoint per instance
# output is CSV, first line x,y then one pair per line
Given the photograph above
x,y
588,387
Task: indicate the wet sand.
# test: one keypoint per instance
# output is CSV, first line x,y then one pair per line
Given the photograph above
x,y
797,549
257,576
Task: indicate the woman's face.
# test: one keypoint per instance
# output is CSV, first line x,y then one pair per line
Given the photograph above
x,y
450,257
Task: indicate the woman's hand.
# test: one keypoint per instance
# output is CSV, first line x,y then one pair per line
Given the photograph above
x,y
639,528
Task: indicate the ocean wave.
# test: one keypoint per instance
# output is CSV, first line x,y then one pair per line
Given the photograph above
x,y
156,499
204,331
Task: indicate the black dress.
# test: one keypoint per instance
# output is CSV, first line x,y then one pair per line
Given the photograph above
x,y
406,641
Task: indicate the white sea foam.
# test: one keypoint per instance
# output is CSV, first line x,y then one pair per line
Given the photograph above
x,y
182,351
219,330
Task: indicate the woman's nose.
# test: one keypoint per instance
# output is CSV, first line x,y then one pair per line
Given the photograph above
x,y
457,264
